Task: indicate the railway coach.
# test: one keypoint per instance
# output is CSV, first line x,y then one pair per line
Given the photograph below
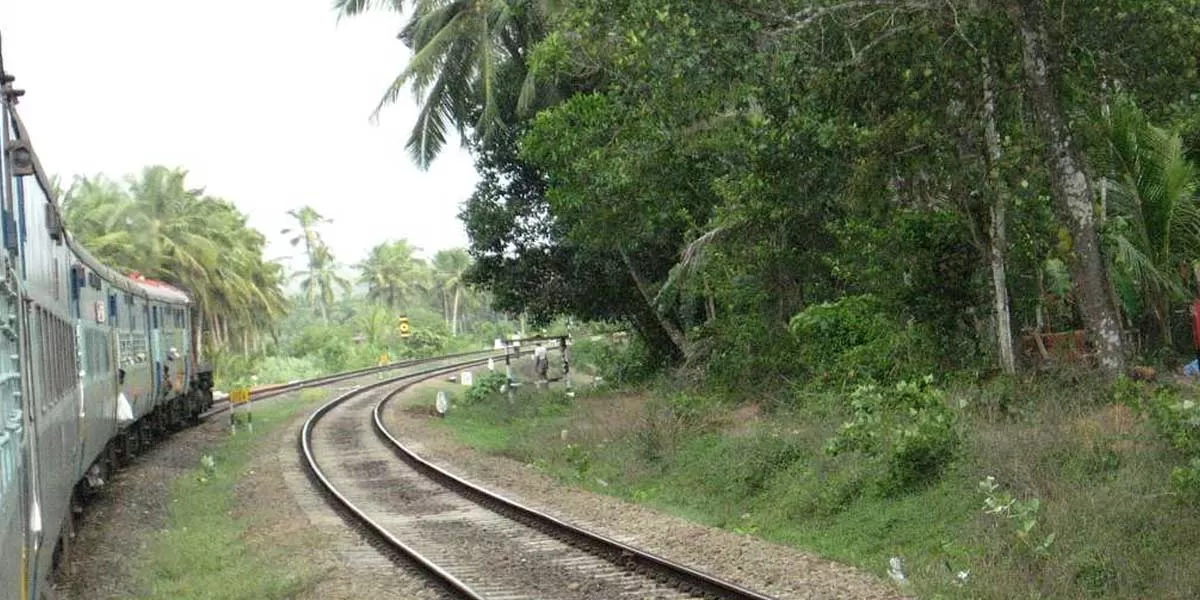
x,y
94,366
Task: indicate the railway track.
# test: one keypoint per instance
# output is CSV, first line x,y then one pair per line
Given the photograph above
x,y
474,543
287,388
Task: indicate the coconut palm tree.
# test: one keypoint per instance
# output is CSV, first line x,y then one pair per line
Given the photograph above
x,y
392,274
449,267
1153,213
309,219
468,65
318,282
161,228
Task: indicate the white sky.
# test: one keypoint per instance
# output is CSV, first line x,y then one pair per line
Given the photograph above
x,y
265,102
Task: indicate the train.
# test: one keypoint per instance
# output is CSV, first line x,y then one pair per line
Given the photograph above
x,y
95,366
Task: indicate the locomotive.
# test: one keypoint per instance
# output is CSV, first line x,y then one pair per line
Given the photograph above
x,y
94,366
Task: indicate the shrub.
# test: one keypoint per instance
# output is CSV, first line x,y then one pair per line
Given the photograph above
x,y
908,427
750,353
619,364
1177,422
282,369
854,340
486,385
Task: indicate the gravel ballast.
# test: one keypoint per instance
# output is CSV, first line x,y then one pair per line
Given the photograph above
x,y
768,568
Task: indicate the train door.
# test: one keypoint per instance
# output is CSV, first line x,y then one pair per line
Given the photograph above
x,y
156,351
14,450
29,333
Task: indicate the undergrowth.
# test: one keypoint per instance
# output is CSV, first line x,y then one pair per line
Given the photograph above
x,y
204,550
1039,488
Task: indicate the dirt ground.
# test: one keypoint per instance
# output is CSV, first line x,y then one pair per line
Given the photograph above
x,y
115,525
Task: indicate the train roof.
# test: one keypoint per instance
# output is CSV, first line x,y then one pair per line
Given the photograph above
x,y
134,283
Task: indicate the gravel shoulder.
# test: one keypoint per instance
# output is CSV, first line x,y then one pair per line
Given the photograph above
x,y
773,569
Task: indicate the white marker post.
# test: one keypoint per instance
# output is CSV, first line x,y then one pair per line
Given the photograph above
x,y
441,404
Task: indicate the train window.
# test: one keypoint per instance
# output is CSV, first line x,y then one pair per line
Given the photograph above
x,y
112,310
55,357
43,376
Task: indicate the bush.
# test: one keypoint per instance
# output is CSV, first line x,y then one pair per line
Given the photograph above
x,y
619,364
748,353
854,340
1177,422
909,428
282,369
486,385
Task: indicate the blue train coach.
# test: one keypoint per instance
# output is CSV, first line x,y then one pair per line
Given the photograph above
x,y
94,366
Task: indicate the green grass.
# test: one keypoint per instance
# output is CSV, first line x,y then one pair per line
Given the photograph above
x,y
204,551
1120,532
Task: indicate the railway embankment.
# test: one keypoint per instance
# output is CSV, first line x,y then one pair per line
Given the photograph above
x,y
1052,486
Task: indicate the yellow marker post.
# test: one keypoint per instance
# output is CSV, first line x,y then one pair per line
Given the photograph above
x,y
384,360
402,327
240,397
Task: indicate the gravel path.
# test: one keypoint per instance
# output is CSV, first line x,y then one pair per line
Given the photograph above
x,y
783,572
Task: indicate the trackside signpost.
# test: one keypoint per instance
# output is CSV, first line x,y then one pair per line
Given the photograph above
x,y
240,397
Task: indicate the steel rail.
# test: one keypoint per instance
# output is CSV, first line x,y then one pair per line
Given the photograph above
x,y
685,578
344,504
692,580
293,386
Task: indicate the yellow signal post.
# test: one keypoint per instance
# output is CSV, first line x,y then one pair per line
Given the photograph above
x,y
402,327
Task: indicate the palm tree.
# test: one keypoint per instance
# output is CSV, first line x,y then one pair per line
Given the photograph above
x,y
308,219
320,279
449,267
392,274
161,228
1153,221
468,64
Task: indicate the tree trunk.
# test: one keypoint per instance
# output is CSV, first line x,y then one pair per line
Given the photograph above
x,y
671,330
197,337
454,315
710,304
1072,193
214,332
445,307
997,238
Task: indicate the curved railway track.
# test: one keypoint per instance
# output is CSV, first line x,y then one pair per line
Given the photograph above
x,y
474,543
287,388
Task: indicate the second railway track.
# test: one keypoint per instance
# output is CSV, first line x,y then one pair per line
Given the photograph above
x,y
476,544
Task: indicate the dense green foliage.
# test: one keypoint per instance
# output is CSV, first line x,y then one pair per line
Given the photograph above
x,y
1052,492
709,168
803,204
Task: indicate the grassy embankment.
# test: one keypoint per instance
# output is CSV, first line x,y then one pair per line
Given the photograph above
x,y
207,549
1099,473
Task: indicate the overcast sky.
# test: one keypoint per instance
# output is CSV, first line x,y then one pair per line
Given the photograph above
x,y
264,102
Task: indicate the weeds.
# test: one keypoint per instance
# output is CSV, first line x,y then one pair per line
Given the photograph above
x,y
1022,513
1087,509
